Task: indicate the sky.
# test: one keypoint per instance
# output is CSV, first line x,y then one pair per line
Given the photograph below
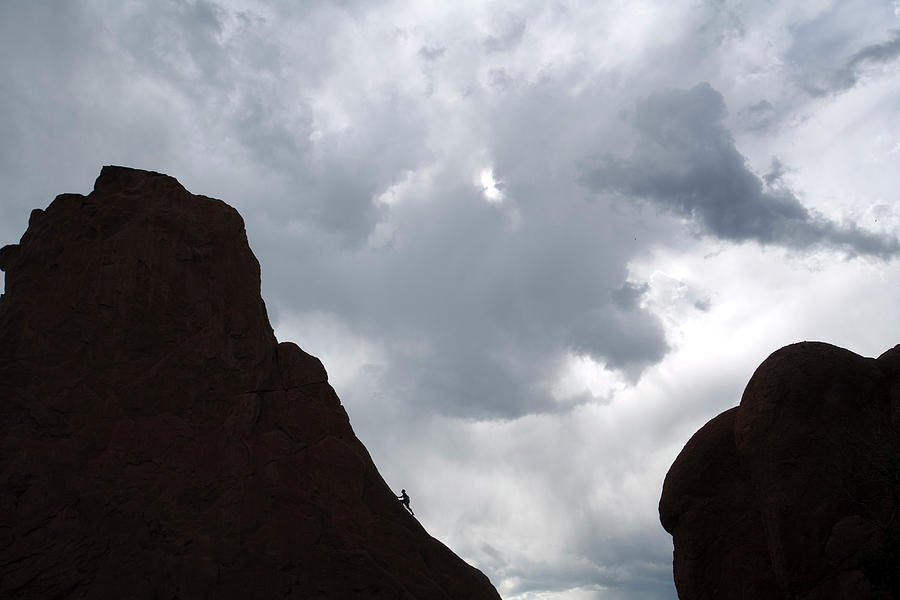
x,y
536,244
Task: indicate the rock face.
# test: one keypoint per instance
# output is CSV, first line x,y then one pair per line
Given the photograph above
x,y
156,441
794,494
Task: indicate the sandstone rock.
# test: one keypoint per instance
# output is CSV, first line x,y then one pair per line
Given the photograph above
x,y
796,492
155,439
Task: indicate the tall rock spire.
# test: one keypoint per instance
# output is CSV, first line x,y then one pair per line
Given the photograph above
x,y
155,438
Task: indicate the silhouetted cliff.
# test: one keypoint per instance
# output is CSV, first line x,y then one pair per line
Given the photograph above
x,y
156,441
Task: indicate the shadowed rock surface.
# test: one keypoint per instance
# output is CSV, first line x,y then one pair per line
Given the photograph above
x,y
156,441
795,493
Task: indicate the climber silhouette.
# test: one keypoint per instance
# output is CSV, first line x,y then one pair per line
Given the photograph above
x,y
404,500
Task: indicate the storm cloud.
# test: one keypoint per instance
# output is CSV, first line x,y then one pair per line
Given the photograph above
x,y
685,161
868,57
531,246
828,56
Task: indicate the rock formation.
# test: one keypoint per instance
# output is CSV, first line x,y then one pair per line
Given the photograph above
x,y
795,493
156,441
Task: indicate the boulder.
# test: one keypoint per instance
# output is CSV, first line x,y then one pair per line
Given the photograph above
x,y
795,493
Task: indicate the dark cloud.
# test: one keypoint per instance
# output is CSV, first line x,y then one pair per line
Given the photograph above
x,y
828,55
878,53
476,314
477,305
628,297
761,107
871,55
759,116
685,161
855,66
775,175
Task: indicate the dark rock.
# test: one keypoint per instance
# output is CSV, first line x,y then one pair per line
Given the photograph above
x,y
796,492
703,494
155,439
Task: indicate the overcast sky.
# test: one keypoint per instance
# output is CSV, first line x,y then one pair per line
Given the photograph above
x,y
536,244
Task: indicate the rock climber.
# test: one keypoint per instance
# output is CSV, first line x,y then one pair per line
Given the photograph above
x,y
404,500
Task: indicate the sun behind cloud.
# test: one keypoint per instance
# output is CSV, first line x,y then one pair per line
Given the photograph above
x,y
489,186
